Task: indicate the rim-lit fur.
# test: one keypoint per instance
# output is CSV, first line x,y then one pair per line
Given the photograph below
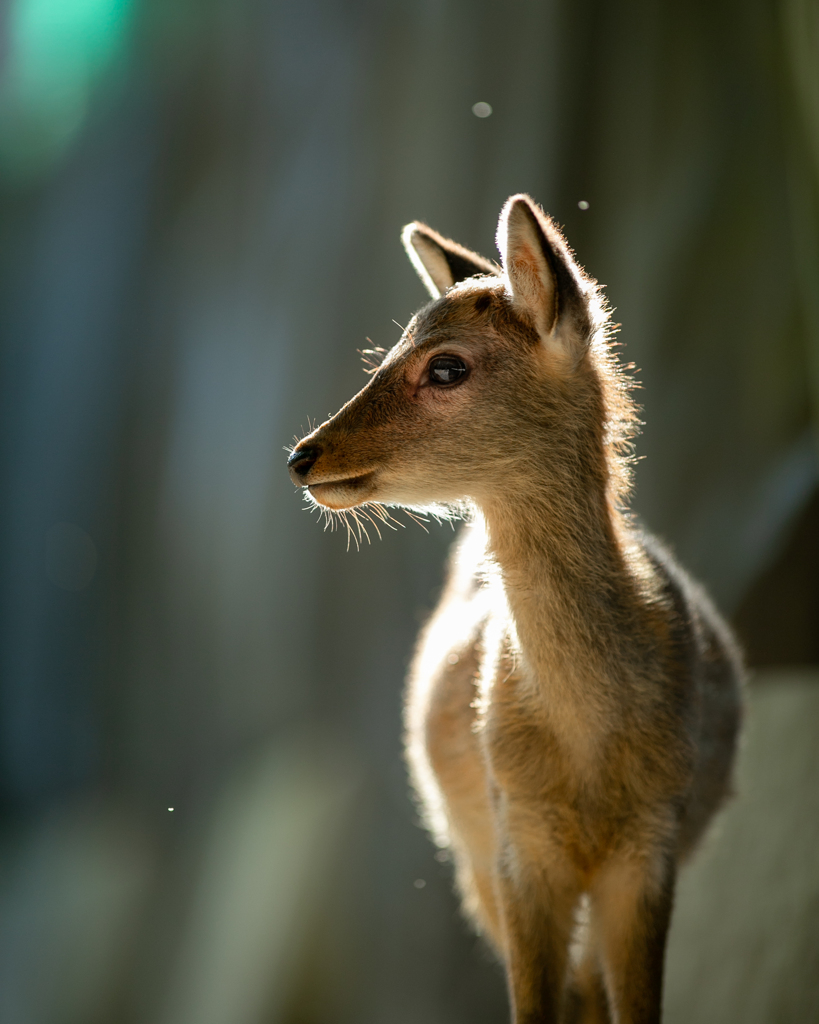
x,y
574,702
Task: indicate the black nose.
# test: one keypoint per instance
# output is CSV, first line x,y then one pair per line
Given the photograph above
x,y
302,459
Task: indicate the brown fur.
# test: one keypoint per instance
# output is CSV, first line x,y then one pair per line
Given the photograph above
x,y
574,702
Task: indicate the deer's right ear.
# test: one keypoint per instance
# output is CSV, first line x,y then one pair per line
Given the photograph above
x,y
546,284
440,262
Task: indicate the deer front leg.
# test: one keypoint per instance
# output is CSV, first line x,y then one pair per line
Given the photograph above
x,y
537,904
631,907
587,1000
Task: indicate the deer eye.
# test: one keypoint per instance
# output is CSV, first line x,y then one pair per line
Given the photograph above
x,y
447,370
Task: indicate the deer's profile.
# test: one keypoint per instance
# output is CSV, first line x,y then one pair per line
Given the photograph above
x,y
575,699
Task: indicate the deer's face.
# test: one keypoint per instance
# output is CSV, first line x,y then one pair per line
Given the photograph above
x,y
445,418
488,386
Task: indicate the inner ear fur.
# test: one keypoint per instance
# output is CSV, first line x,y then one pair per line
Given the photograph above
x,y
439,261
546,284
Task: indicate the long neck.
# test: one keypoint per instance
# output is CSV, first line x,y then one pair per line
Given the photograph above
x,y
573,576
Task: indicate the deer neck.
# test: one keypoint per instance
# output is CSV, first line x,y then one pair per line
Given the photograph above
x,y
570,583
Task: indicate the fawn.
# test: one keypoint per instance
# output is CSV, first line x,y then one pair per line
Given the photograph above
x,y
575,699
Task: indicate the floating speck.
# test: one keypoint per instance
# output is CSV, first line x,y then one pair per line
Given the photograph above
x,y
583,205
453,659
481,109
419,883
170,808
442,856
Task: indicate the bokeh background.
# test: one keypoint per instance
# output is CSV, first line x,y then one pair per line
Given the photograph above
x,y
205,817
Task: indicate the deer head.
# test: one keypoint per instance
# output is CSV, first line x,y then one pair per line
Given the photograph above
x,y
498,385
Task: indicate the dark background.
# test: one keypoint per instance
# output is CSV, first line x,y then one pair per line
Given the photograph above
x,y
200,207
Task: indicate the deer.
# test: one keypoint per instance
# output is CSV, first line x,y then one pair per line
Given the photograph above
x,y
575,700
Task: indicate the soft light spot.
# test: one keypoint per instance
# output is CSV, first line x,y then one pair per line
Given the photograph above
x,y
70,556
442,856
419,883
583,205
170,808
481,109
55,54
453,659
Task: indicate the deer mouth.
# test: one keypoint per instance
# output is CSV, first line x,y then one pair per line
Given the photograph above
x,y
345,493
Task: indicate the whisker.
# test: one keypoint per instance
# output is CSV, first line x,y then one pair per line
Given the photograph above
x,y
377,515
356,530
362,529
398,522
366,513
350,534
417,519
385,517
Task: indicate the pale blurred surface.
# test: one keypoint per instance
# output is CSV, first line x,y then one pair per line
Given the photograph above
x,y
201,204
745,938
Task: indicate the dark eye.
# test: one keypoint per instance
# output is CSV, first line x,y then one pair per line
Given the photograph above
x,y
447,370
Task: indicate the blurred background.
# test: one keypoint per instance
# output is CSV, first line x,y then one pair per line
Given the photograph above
x,y
204,815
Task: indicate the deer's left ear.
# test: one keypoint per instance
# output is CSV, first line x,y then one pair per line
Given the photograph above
x,y
439,261
546,284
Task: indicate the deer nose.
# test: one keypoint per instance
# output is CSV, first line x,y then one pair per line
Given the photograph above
x,y
302,459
